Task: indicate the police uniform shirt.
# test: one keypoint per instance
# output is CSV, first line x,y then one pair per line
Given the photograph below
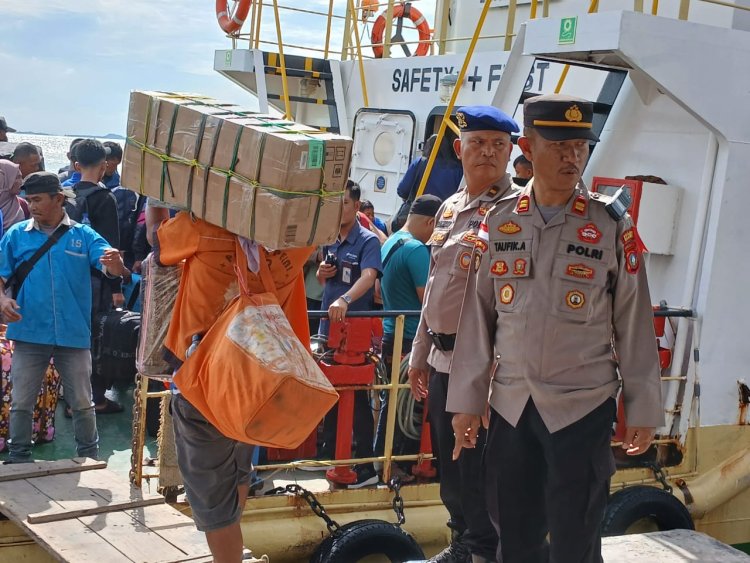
x,y
543,308
451,247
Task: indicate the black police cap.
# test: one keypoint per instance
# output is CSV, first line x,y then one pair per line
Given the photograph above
x,y
558,117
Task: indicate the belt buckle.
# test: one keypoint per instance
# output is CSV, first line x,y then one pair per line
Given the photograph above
x,y
436,341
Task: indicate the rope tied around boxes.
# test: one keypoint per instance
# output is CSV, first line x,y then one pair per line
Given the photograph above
x,y
316,151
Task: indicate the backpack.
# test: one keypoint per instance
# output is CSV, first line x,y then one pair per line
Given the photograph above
x,y
115,342
78,210
127,215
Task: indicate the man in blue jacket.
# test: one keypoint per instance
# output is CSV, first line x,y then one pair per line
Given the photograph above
x,y
50,313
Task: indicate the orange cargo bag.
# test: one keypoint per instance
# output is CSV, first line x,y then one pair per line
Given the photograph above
x,y
252,378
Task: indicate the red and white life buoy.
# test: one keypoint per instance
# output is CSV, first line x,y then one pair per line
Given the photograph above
x,y
231,23
401,11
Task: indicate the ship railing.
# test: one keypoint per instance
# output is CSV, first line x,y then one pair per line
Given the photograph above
x,y
141,471
680,382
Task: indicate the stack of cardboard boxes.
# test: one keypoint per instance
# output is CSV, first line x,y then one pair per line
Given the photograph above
x,y
273,181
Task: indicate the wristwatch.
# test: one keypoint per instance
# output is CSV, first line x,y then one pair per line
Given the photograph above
x,y
347,299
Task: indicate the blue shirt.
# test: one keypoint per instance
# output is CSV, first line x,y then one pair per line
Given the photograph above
x,y
55,299
405,271
380,225
113,181
358,251
75,177
443,181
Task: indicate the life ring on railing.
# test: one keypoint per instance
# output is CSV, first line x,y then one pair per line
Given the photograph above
x,y
400,12
231,23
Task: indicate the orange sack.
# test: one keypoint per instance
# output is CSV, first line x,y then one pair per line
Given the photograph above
x,y
252,377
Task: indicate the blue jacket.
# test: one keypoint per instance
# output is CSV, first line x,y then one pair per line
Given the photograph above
x,y
443,181
113,181
74,178
55,299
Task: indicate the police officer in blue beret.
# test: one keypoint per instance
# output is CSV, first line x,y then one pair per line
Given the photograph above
x,y
484,150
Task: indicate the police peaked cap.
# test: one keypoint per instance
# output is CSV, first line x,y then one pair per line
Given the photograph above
x,y
560,118
42,183
485,118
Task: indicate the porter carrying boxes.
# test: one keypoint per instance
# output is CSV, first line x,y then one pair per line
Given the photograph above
x,y
274,181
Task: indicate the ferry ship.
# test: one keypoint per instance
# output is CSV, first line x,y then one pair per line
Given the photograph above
x,y
671,88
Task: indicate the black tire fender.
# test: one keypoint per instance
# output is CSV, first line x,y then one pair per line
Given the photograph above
x,y
630,504
359,539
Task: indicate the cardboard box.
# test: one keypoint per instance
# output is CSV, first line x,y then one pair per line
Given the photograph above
x,y
274,181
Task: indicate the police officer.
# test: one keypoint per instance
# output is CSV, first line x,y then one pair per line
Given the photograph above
x,y
557,304
484,150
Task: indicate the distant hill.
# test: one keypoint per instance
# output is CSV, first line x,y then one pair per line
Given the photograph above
x,y
107,136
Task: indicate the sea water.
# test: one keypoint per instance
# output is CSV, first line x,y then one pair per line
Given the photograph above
x,y
54,147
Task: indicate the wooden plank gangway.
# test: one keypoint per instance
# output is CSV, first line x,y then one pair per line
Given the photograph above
x,y
78,511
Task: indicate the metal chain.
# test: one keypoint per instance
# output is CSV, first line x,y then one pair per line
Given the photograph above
x,y
136,428
398,502
333,527
319,510
659,475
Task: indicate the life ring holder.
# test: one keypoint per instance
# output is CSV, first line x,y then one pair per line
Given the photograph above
x,y
400,12
230,22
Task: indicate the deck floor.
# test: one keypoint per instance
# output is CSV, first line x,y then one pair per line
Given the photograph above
x,y
80,512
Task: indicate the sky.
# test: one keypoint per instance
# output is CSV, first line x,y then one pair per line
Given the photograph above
x,y
68,66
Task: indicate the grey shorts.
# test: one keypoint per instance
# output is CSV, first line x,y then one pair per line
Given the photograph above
x,y
212,467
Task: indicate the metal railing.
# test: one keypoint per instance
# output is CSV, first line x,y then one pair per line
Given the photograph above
x,y
138,475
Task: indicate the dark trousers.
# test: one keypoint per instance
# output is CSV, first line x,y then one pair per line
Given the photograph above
x,y
461,482
101,293
539,483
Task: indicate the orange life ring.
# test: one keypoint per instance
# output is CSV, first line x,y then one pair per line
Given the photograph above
x,y
231,23
400,12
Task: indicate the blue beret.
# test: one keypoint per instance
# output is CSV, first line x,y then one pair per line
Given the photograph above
x,y
485,118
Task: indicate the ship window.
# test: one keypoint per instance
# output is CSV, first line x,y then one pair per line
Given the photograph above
x,y
384,148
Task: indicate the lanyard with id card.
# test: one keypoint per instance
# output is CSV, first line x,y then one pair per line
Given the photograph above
x,y
346,271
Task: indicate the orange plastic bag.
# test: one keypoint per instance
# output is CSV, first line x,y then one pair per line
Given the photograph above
x,y
251,377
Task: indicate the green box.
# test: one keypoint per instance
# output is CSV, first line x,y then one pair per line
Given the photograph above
x,y
568,27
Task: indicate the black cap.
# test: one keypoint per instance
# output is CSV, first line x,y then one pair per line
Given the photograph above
x,y
41,183
4,125
426,205
560,118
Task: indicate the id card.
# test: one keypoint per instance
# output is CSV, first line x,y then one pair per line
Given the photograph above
x,y
346,272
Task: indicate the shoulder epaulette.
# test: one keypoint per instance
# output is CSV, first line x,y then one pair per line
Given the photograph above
x,y
616,205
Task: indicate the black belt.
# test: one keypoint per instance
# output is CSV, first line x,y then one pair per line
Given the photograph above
x,y
443,342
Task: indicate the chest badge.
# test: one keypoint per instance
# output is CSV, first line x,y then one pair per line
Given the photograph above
x,y
509,228
507,293
477,261
448,213
575,299
483,211
519,267
438,237
589,233
470,238
580,271
464,260
499,268
579,205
